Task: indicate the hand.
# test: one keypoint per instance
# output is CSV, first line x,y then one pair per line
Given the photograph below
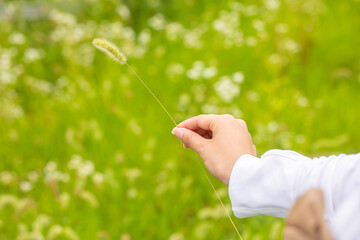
x,y
219,140
306,218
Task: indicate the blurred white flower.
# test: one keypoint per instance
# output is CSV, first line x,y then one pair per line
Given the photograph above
x,y
70,233
132,174
75,162
8,199
177,236
33,54
41,222
282,28
157,22
132,193
89,197
39,86
62,18
50,167
144,37
125,236
135,127
259,25
54,231
174,31
238,77
124,12
7,177
226,89
192,38
199,70
174,69
272,126
202,230
98,178
210,109
302,101
33,176
250,10
272,4
253,96
209,72
291,46
86,169
26,186
17,38
183,102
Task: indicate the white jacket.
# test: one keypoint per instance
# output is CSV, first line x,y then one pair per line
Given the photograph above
x,y
271,184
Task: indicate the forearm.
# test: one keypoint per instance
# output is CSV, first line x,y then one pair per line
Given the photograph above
x,y
270,184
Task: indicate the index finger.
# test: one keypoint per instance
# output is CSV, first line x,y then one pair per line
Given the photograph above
x,y
205,122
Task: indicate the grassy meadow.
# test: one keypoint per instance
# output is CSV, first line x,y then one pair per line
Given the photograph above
x,y
86,153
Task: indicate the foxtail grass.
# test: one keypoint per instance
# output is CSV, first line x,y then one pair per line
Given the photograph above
x,y
113,52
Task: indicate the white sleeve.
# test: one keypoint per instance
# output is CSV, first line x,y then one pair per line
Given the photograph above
x,y
345,225
271,184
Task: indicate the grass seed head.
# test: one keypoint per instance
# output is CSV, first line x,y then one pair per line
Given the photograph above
x,y
110,49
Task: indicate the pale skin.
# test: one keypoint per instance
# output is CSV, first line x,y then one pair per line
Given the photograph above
x,y
220,140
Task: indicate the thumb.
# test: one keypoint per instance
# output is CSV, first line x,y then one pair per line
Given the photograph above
x,y
190,138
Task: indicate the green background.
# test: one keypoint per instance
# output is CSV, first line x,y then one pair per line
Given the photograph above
x,y
86,153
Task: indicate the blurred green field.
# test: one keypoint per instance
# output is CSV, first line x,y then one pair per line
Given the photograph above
x,y
86,153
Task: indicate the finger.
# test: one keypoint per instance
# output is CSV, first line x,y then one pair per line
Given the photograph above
x,y
204,122
204,133
242,123
190,138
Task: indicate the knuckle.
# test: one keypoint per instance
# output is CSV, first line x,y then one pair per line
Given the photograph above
x,y
228,116
242,123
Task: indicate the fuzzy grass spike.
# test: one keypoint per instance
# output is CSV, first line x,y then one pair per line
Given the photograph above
x,y
110,49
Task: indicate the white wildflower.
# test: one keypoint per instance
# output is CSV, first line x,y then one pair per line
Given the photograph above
x,y
210,109
177,236
132,174
272,4
174,31
26,186
226,89
17,38
209,72
238,77
7,177
54,232
41,222
135,127
157,22
123,11
86,169
98,178
33,54
75,162
132,193
175,69
50,167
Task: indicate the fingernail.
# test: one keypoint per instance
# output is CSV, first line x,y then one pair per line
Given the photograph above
x,y
178,132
